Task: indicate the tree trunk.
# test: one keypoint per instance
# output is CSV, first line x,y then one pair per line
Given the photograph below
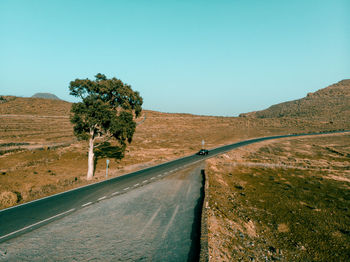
x,y
90,172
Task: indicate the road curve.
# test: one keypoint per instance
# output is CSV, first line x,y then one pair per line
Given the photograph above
x,y
156,222
26,217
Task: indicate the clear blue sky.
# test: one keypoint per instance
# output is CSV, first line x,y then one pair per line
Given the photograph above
x,y
202,57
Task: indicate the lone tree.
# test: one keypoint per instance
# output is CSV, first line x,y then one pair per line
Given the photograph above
x,y
107,110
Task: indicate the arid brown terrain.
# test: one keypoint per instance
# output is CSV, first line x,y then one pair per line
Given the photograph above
x,y
281,200
40,155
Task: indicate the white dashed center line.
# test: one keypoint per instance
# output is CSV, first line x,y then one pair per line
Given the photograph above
x,y
159,175
126,188
86,204
145,181
115,193
101,198
153,178
136,185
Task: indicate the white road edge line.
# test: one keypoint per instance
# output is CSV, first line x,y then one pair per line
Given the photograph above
x,y
42,221
126,188
101,198
115,193
145,181
153,178
159,175
136,185
86,204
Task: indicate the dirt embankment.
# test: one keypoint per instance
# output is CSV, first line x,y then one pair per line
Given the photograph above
x,y
284,200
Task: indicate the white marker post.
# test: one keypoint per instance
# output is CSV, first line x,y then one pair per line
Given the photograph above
x,y
107,168
203,143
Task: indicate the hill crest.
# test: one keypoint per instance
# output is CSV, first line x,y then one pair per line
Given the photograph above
x,y
34,106
46,96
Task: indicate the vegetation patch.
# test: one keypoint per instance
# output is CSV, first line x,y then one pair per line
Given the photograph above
x,y
3,152
13,144
2,99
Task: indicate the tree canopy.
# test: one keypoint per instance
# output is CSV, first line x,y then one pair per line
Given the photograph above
x,y
107,110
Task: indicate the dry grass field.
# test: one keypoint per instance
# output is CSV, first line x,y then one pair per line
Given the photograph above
x,y
39,154
284,200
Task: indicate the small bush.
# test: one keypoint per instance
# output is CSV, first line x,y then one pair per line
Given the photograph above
x,y
2,99
19,196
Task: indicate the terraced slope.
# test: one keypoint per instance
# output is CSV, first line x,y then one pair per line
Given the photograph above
x,y
35,121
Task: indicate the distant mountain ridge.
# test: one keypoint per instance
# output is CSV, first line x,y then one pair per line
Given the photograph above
x,y
46,96
327,103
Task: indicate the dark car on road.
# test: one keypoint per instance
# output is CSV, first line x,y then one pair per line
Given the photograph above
x,y
203,152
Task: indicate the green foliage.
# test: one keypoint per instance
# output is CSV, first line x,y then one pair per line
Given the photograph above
x,y
107,109
2,99
109,91
106,150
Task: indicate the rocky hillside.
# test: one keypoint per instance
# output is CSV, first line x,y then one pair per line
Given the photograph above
x,y
327,103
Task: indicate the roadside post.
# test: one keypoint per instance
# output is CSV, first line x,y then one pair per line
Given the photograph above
x,y
203,143
107,168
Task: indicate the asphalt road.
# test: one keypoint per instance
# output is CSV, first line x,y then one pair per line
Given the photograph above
x,y
26,217
155,222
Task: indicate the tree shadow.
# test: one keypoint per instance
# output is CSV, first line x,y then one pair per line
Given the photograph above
x,y
106,150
